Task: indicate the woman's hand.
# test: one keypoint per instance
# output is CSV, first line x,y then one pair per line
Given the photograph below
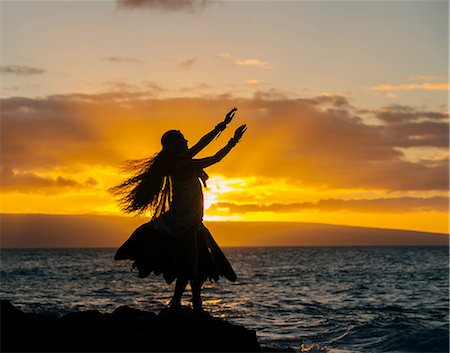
x,y
230,116
223,124
239,132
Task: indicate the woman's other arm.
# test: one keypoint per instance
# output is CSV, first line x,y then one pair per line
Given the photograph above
x,y
205,140
206,162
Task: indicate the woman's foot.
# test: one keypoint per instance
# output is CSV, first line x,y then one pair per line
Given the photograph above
x,y
198,308
175,304
197,304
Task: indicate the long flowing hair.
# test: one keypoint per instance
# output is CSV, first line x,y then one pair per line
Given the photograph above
x,y
149,189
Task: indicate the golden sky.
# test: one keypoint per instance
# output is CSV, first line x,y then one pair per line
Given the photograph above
x,y
342,129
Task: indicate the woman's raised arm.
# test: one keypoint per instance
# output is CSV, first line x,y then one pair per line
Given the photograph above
x,y
206,162
205,140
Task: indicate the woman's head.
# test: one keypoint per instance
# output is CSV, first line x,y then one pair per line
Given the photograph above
x,y
150,188
174,142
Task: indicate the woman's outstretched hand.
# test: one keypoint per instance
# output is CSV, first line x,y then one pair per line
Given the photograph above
x,y
230,116
239,133
223,124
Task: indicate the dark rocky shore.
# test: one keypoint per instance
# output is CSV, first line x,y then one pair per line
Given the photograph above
x,y
124,330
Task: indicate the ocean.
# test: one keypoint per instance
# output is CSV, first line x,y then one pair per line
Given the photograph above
x,y
316,299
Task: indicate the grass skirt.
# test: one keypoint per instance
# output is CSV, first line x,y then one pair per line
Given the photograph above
x,y
192,255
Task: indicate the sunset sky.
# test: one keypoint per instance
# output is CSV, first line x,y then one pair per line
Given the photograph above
x,y
346,105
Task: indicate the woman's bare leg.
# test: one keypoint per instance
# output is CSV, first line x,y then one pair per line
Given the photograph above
x,y
196,286
180,286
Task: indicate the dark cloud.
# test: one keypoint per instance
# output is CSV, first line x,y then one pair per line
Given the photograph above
x,y
398,114
401,115
187,64
382,205
420,134
333,100
334,147
318,142
30,182
189,6
409,127
44,133
20,70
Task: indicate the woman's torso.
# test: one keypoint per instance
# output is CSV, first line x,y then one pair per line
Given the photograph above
x,y
186,209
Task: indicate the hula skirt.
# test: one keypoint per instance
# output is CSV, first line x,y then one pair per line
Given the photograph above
x,y
192,255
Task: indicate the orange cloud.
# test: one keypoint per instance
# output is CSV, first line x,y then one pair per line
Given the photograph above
x,y
246,62
382,205
254,82
424,78
320,142
27,182
441,86
301,159
254,62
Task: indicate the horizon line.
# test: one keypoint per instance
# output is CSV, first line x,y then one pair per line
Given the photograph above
x,y
230,221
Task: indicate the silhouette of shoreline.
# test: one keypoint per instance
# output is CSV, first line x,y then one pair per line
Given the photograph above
x,y
125,329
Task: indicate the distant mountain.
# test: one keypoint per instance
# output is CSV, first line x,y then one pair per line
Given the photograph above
x,y
56,231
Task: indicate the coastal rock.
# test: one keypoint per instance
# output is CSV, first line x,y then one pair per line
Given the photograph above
x,y
125,329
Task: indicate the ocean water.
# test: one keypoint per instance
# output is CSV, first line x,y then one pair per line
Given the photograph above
x,y
347,299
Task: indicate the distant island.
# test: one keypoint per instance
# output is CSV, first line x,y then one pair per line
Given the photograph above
x,y
66,231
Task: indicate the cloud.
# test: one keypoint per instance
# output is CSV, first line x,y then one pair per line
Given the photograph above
x,y
317,142
20,70
253,62
44,132
254,82
332,100
424,78
226,56
187,64
381,205
189,6
408,127
246,62
121,60
31,182
153,88
125,91
200,88
119,85
439,86
273,94
398,114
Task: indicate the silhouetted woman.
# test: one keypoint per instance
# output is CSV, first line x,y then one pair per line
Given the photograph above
x,y
175,243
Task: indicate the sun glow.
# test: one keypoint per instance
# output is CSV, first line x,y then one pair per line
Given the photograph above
x,y
250,199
